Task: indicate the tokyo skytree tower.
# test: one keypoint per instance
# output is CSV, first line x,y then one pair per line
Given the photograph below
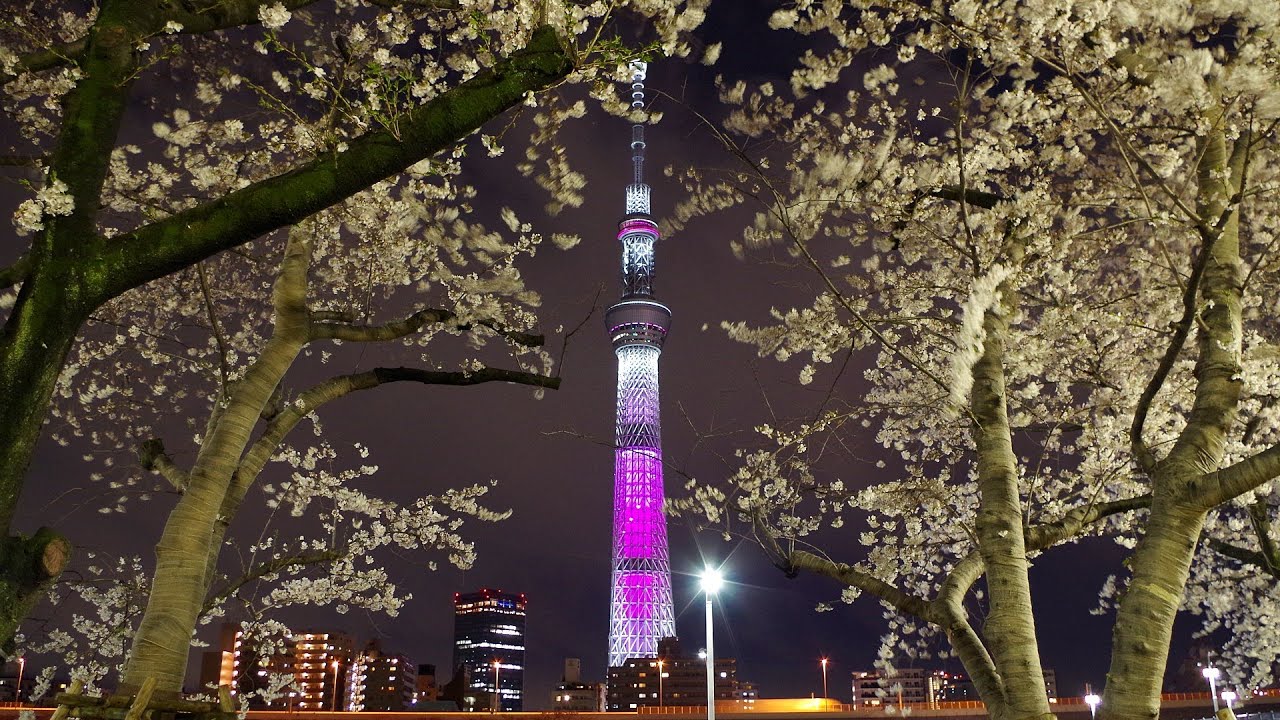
x,y
640,608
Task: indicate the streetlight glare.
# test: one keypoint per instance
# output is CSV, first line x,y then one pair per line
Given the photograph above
x,y
712,580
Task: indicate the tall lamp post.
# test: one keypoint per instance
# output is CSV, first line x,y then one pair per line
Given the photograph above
x,y
22,666
661,697
711,582
1092,700
824,678
1212,674
497,697
1229,696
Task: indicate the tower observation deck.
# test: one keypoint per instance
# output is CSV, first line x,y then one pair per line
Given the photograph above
x,y
641,611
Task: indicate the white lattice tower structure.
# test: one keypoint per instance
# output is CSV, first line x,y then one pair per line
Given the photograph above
x,y
641,611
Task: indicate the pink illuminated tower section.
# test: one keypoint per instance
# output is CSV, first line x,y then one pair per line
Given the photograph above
x,y
640,608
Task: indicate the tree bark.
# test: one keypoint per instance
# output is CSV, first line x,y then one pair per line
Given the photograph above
x,y
187,553
1009,630
51,306
1160,565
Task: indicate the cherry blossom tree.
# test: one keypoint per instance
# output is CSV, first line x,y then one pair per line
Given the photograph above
x,y
1043,236
267,112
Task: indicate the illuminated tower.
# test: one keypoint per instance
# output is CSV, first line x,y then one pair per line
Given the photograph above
x,y
640,608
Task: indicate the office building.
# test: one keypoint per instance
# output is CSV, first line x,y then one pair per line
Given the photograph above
x,y
681,680
488,643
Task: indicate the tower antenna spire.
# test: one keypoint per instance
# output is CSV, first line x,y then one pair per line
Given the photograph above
x,y
641,611
638,69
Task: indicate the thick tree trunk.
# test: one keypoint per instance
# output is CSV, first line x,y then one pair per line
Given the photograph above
x,y
1144,622
188,551
52,303
33,345
1009,630
1161,563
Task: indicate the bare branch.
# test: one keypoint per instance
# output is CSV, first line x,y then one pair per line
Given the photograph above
x,y
415,322
1181,329
153,458
1249,557
336,387
29,161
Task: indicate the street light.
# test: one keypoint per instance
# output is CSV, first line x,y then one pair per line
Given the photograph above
x,y
1212,674
1092,701
824,677
660,695
22,665
496,701
334,708
1230,697
711,582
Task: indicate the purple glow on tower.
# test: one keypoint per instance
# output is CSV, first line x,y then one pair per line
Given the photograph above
x,y
640,610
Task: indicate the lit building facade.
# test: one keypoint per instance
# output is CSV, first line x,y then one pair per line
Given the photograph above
x,y
382,682
237,663
573,695
903,686
321,664
681,681
488,629
640,608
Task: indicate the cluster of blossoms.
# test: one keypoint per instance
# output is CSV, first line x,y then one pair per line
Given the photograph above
x,y
1055,204
178,352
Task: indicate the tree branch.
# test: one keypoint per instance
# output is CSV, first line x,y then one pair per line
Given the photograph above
x,y
269,568
400,328
15,273
1213,489
1046,535
153,458
1137,446
333,388
853,577
1249,557
179,240
947,611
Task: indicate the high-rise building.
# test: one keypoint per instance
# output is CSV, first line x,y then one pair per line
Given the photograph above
x,y
321,663
380,681
640,608
488,643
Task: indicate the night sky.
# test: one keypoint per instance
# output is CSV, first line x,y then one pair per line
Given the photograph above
x,y
553,457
